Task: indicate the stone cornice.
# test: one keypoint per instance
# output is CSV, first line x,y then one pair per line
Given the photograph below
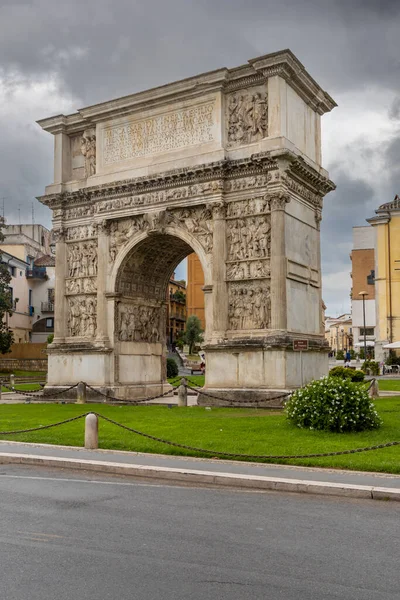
x,y
286,65
225,169
282,63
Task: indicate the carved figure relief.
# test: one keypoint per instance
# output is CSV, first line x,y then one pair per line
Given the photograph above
x,y
76,212
84,285
244,208
247,118
258,269
246,183
122,231
139,323
81,233
163,133
249,306
88,149
199,222
82,316
82,259
249,237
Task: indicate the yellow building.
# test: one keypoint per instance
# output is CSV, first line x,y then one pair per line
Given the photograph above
x,y
339,333
387,274
195,294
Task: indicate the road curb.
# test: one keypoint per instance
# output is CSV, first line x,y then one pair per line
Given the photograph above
x,y
224,480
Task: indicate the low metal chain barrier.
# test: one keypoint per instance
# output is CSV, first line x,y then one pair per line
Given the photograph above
x,y
39,393
41,427
233,400
245,456
138,401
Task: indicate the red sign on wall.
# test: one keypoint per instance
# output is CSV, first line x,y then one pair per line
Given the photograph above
x,y
300,344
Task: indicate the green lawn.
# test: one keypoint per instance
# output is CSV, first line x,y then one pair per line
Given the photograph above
x,y
193,380
34,374
389,384
24,387
247,431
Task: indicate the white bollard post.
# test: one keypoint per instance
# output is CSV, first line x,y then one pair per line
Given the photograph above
x,y
374,389
182,393
81,393
91,432
12,381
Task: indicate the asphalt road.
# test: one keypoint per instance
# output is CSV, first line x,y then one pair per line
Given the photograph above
x,y
66,535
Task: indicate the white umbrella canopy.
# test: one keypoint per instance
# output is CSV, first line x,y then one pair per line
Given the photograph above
x,y
392,345
368,343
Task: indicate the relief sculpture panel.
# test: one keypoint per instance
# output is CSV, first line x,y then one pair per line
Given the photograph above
x,y
121,231
247,117
249,305
82,259
140,323
249,238
82,312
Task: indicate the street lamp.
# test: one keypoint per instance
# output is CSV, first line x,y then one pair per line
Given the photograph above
x,y
342,330
363,294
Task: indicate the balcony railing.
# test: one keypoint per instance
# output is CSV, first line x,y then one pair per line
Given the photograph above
x,y
36,273
47,307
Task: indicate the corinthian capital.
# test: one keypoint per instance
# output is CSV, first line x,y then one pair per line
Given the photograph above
x,y
58,235
218,210
103,227
278,201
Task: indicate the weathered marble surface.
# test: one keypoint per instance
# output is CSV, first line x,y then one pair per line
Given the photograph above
x,y
227,164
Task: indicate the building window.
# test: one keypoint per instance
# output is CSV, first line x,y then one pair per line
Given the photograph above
x,y
20,273
49,323
368,331
13,271
371,278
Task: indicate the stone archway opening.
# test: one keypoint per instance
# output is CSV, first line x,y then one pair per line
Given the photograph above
x,y
140,326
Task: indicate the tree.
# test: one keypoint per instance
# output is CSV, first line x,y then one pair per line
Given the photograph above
x,y
6,303
193,332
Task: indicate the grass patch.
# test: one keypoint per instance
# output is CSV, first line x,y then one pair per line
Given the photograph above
x,y
33,374
257,432
23,387
389,385
195,380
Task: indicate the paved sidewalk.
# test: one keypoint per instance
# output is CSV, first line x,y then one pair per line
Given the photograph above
x,y
216,472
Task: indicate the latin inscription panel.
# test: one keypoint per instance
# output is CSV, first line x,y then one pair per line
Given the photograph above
x,y
185,127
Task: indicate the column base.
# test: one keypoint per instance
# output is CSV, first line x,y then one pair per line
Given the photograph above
x,y
243,398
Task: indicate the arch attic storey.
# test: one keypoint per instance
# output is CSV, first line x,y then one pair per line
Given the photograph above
x,y
226,164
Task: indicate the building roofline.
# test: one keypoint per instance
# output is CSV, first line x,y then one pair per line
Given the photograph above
x,y
282,63
4,252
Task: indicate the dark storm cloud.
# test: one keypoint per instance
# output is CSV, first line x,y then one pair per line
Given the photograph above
x,y
105,48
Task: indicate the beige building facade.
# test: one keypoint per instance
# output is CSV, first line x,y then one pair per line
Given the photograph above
x,y
226,164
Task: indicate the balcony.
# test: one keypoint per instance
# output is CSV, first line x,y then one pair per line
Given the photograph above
x,y
47,307
36,273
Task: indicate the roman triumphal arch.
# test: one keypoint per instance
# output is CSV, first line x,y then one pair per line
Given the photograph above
x,y
226,164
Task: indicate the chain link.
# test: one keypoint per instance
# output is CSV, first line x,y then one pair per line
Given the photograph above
x,y
246,456
41,427
232,400
138,401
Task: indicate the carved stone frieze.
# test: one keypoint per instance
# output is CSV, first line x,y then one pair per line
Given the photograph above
x,y
249,238
140,323
199,222
82,259
249,207
121,231
88,149
249,305
76,212
81,285
81,233
247,117
303,191
82,312
246,269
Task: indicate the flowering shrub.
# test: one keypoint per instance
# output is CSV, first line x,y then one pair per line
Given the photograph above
x,y
332,404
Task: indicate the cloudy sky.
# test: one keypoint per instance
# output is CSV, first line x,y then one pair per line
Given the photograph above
x,y
59,56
